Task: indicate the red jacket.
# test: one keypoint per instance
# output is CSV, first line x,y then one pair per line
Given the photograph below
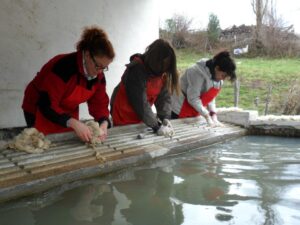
x,y
56,81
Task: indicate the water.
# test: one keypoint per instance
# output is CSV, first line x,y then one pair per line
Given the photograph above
x,y
251,180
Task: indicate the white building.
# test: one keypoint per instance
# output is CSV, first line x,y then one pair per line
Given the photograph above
x,y
33,31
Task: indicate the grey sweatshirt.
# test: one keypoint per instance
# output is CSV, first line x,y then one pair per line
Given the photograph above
x,y
194,82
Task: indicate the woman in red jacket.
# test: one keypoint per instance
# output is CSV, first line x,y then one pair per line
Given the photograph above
x,y
52,98
149,79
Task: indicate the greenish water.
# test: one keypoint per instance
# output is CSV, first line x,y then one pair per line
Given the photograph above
x,y
251,180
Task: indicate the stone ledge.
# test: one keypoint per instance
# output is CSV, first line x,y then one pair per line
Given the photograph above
x,y
25,174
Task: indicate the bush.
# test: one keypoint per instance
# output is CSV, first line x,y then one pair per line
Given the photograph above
x,y
292,103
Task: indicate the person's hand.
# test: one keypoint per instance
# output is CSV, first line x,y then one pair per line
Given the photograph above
x,y
81,130
209,120
103,130
216,122
167,123
207,117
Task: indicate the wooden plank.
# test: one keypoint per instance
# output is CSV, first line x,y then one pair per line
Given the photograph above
x,y
8,170
6,165
63,167
4,178
32,158
44,173
8,153
32,165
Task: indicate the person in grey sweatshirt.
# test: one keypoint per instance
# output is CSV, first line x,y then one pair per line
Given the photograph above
x,y
200,85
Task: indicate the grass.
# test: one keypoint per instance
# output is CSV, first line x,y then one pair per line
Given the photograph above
x,y
255,76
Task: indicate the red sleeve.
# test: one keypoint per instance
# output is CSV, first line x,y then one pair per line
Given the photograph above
x,y
52,90
55,88
98,103
31,97
44,82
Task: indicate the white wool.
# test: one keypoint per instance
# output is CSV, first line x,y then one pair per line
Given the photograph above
x,y
30,140
229,109
96,132
279,118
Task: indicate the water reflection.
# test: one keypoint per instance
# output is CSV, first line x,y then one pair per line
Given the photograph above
x,y
252,180
200,185
150,199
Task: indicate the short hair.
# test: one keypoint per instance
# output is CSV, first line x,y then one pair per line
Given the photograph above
x,y
95,40
225,63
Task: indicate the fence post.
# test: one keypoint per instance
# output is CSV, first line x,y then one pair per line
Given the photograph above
x,y
268,99
256,101
236,92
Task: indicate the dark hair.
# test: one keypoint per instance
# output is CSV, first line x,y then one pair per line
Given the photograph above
x,y
95,40
160,58
225,63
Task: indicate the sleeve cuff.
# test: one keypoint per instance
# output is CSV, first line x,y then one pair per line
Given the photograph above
x,y
64,120
155,129
104,119
211,113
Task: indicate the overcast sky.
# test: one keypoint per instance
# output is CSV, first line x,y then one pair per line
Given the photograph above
x,y
229,12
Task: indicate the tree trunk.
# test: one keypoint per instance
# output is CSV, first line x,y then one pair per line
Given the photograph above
x,y
259,8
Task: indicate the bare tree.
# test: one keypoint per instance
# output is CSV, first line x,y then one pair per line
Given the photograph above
x,y
178,27
259,8
278,37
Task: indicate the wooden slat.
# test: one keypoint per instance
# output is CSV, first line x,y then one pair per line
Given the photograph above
x,y
4,178
6,165
65,166
9,170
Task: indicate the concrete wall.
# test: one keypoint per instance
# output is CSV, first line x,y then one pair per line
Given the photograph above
x,y
33,31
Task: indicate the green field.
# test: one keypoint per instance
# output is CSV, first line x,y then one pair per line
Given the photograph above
x,y
255,76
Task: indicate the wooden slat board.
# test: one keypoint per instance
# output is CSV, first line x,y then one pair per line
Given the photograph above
x,y
23,174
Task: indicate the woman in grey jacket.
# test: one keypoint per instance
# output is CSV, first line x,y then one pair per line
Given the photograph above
x,y
200,85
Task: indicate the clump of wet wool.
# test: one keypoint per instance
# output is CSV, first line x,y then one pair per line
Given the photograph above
x,y
96,133
30,140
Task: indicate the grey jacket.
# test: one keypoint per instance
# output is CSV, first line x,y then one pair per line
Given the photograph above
x,y
194,82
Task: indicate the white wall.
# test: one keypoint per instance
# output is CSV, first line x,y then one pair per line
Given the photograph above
x,y
33,31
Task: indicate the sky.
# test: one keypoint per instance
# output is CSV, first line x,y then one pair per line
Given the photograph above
x,y
229,12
